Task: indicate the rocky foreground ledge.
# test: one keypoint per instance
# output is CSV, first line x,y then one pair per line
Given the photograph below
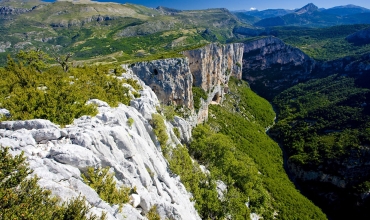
x,y
59,155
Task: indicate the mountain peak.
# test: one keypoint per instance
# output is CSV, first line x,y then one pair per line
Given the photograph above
x,y
309,8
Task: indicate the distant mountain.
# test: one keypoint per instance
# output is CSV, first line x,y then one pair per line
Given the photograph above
x,y
311,16
307,9
346,10
168,11
244,17
268,13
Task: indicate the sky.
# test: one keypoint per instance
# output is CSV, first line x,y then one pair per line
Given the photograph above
x,y
241,4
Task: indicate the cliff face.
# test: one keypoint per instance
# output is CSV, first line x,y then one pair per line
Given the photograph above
x,y
270,66
170,79
213,65
347,65
59,156
209,68
8,10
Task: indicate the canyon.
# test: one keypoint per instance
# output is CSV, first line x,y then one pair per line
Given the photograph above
x,y
59,155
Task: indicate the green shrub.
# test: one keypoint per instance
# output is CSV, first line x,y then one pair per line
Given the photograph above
x,y
177,132
130,122
201,186
153,214
22,198
198,93
104,184
159,128
169,112
30,89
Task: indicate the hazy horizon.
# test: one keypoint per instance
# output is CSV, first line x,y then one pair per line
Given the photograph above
x,y
239,5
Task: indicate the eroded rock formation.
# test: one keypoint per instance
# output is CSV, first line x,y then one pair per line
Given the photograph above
x,y
170,79
59,155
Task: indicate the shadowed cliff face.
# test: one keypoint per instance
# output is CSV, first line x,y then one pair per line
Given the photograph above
x,y
360,37
270,66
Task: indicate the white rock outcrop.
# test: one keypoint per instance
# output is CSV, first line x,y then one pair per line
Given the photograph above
x,y
59,155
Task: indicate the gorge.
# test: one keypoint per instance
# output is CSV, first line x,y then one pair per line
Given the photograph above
x,y
196,114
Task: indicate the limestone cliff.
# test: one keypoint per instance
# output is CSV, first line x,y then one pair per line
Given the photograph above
x,y
59,155
270,65
209,68
170,79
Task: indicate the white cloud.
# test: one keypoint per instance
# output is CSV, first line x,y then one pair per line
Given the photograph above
x,y
253,9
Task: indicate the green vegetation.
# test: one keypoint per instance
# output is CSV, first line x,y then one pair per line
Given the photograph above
x,y
30,89
114,32
323,43
130,122
241,144
322,119
324,127
104,184
153,214
233,146
169,111
198,93
22,198
177,132
159,128
203,188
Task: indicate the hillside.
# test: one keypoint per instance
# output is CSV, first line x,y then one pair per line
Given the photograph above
x,y
324,43
322,121
110,32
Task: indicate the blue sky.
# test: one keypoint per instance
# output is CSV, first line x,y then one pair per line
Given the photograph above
x,y
242,4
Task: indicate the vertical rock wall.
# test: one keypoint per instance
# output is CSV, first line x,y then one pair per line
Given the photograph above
x,y
211,68
170,79
213,65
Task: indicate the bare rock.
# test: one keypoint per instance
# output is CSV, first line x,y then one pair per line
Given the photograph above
x,y
75,156
28,125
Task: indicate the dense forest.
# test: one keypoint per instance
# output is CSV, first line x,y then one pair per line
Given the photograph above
x,y
233,137
323,126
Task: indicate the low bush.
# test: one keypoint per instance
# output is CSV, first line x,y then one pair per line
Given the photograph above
x,y
30,89
22,197
159,128
177,132
102,181
198,93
